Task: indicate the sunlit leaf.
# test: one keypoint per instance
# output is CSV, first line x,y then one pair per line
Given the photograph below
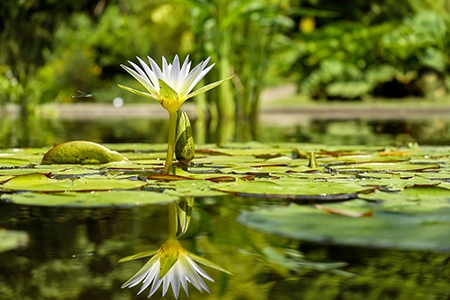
x,y
81,152
45,183
287,189
93,199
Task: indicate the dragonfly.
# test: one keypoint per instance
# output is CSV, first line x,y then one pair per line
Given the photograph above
x,y
81,94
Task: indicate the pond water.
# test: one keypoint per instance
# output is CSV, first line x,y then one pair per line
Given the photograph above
x,y
73,253
36,132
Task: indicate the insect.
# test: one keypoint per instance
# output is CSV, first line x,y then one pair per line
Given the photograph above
x,y
88,254
81,94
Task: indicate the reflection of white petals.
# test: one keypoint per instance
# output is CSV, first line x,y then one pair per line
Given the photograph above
x,y
184,270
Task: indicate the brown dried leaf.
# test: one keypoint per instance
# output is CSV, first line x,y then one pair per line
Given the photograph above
x,y
345,213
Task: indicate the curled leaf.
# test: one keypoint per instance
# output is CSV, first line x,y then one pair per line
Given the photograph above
x,y
345,213
312,161
81,152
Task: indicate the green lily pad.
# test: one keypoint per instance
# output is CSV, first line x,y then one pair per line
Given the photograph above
x,y
81,152
93,199
385,229
294,189
383,167
46,183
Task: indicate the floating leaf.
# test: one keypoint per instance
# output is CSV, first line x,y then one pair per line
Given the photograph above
x,y
93,199
45,183
383,167
81,152
429,231
290,189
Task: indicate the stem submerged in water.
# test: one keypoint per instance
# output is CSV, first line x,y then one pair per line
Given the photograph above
x,y
171,142
173,221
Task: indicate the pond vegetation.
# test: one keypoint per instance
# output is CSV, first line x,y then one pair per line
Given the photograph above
x,y
344,195
375,197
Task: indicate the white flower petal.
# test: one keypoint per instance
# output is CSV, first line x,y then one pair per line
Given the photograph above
x,y
178,77
192,275
156,70
190,78
142,80
139,70
156,283
185,68
176,278
151,75
199,77
175,78
165,69
152,274
198,269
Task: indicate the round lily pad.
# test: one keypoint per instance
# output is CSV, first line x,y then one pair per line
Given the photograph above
x,y
294,189
385,229
93,199
46,183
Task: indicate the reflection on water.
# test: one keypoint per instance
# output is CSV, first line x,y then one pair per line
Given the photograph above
x,y
36,132
74,253
172,265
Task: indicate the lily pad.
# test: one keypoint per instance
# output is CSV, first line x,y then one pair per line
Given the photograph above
x,y
294,189
46,183
93,199
385,229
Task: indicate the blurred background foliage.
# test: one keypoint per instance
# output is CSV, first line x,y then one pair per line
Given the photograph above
x,y
352,50
378,48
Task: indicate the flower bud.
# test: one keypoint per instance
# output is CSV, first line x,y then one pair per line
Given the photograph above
x,y
184,145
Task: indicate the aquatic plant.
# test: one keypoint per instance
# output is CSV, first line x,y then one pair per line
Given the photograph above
x,y
172,265
171,86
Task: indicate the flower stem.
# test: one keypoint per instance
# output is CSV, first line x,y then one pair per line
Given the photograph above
x,y
173,221
171,142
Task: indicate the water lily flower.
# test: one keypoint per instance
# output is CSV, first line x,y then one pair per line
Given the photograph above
x,y
171,265
171,86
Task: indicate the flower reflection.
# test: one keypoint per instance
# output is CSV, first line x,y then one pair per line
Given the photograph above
x,y
172,265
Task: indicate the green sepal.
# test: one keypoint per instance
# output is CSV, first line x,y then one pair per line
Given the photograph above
x,y
166,262
208,263
166,91
138,256
139,93
208,87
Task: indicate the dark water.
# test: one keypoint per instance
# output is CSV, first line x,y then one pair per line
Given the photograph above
x,y
36,132
74,253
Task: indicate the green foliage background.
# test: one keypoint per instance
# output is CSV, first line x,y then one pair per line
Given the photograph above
x,y
49,49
